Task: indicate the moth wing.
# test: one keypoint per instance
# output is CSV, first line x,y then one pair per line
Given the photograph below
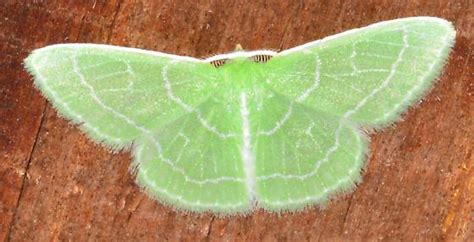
x,y
368,75
117,94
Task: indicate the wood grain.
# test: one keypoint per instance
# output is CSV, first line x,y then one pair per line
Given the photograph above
x,y
55,184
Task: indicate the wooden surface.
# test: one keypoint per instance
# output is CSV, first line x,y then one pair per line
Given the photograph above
x,y
55,184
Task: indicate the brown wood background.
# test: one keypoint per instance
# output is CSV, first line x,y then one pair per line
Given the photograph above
x,y
55,184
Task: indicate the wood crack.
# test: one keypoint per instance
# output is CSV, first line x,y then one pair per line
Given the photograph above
x,y
346,215
287,24
209,229
25,173
114,19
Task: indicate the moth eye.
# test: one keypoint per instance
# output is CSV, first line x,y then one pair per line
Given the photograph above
x,y
218,63
261,58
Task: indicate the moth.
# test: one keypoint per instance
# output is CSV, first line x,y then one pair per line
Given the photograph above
x,y
247,129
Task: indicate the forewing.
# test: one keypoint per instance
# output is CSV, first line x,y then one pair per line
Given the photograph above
x,y
369,75
118,94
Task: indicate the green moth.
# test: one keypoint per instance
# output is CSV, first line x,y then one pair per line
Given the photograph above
x,y
248,129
